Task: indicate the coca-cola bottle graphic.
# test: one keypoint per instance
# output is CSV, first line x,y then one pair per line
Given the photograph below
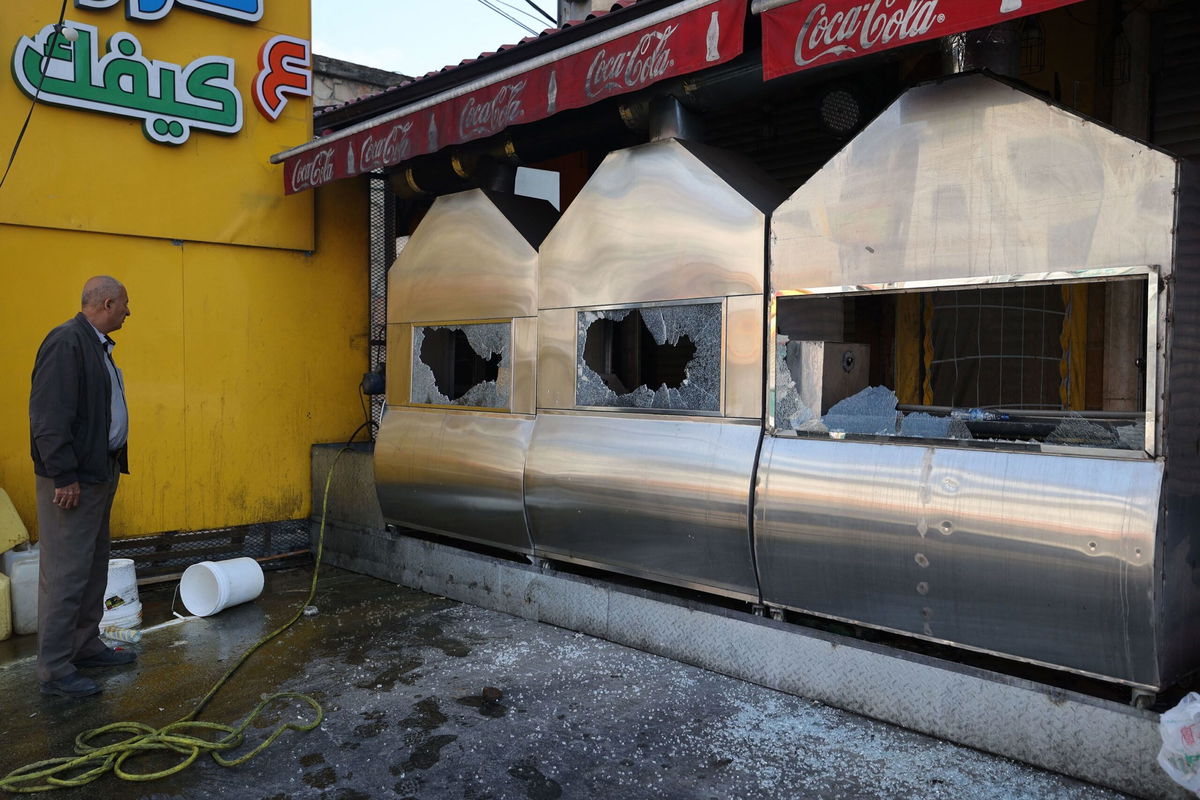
x,y
552,93
714,38
1009,6
433,134
350,170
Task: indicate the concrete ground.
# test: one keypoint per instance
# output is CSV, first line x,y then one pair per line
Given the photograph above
x,y
402,674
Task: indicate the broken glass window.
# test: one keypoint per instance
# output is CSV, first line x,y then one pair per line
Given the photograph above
x,y
666,357
1009,364
462,365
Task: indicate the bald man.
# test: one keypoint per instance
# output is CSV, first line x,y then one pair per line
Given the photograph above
x,y
78,425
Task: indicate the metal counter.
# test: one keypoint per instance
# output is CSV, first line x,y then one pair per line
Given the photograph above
x,y
457,473
1040,557
659,497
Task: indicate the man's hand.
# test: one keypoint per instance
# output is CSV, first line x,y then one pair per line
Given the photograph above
x,y
67,497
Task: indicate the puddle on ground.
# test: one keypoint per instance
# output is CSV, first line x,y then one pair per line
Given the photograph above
x,y
400,672
427,717
376,725
537,785
321,779
428,752
488,708
432,636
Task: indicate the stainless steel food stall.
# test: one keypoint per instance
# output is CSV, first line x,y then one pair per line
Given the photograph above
x,y
462,339
982,426
650,368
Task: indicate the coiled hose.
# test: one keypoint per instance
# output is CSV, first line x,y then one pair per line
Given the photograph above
x,y
185,736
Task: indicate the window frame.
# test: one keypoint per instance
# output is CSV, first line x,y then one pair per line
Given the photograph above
x,y
415,360
1154,354
639,306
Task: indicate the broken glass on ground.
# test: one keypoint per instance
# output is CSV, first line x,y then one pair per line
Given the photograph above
x,y
462,365
662,357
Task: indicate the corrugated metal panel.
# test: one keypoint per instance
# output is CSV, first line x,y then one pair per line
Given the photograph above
x,y
1176,103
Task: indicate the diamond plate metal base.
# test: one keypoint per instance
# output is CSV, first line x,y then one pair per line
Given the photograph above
x,y
1087,738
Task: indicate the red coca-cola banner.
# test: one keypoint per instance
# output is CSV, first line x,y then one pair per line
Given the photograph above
x,y
811,33
681,39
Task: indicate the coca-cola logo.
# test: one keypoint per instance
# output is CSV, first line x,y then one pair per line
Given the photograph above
x,y
383,151
314,171
495,115
877,24
642,64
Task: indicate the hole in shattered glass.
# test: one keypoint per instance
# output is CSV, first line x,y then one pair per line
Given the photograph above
x,y
625,356
464,365
664,357
455,366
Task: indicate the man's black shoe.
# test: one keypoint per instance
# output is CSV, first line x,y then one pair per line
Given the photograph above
x,y
73,685
107,658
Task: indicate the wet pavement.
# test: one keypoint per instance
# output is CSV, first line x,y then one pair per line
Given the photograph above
x,y
428,698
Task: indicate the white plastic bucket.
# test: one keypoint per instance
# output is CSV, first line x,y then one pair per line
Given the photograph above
x,y
122,607
122,617
212,586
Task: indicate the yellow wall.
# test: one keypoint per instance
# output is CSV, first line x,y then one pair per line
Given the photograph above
x,y
249,327
236,360
85,170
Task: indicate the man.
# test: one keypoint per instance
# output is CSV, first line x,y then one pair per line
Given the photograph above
x,y
78,424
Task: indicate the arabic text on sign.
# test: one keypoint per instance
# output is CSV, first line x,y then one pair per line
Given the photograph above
x,y
240,10
172,100
285,68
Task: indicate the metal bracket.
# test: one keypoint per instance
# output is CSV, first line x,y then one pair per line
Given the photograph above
x,y
1142,698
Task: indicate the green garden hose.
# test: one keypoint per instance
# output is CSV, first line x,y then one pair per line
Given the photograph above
x,y
185,736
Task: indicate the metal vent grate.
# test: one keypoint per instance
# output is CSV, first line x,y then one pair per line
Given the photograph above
x,y
382,242
283,543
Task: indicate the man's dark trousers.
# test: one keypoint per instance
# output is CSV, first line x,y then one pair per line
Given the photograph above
x,y
74,574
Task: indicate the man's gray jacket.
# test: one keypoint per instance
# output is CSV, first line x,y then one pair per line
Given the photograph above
x,y
70,407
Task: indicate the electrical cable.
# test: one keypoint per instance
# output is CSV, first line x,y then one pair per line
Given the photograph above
x,y
553,21
184,736
507,16
58,31
519,10
494,7
370,420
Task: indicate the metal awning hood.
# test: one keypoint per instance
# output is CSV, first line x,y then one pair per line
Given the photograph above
x,y
664,221
972,177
